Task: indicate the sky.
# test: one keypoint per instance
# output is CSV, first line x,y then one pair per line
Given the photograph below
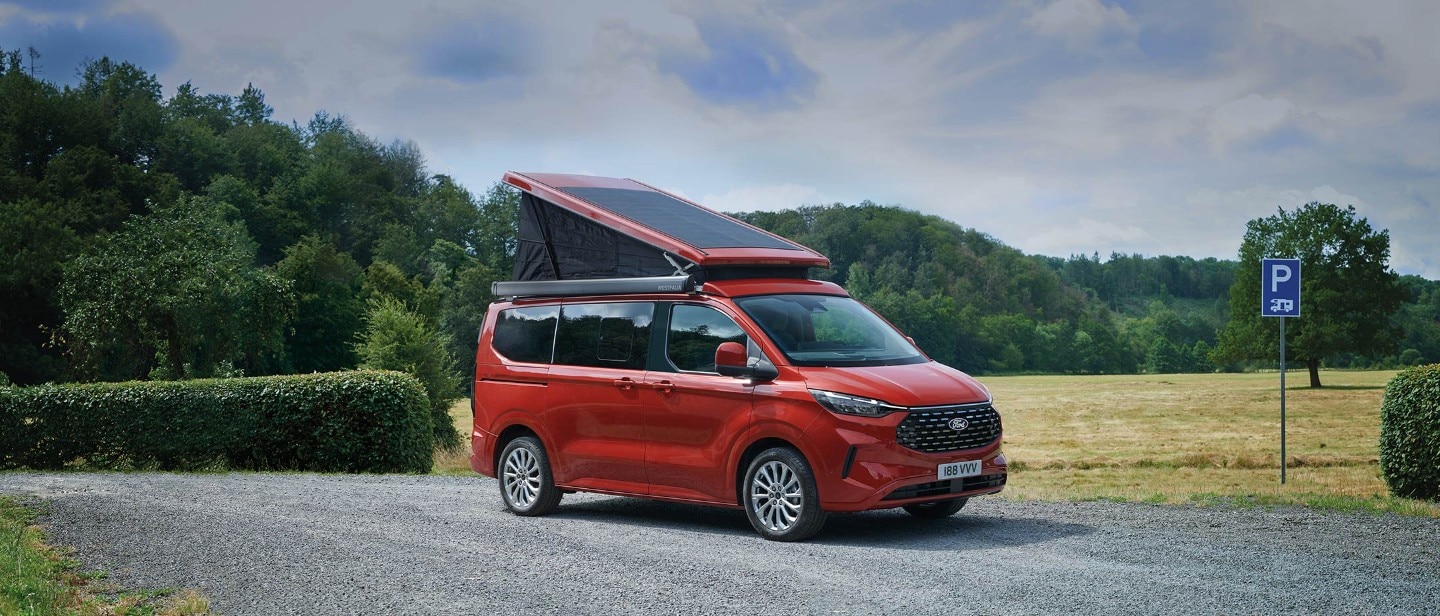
x,y
1059,127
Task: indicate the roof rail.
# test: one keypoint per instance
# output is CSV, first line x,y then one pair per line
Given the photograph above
x,y
598,286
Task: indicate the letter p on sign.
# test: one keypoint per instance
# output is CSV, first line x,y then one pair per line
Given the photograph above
x,y
1279,272
1280,287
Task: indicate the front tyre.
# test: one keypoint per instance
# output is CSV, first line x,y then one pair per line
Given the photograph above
x,y
780,497
938,509
526,485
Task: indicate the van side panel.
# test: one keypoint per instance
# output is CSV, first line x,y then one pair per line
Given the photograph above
x,y
693,422
505,396
507,393
596,418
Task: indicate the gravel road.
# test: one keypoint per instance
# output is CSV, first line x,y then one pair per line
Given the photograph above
x,y
328,544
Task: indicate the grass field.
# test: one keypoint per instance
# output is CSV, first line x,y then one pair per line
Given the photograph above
x,y
1180,438
457,462
1197,438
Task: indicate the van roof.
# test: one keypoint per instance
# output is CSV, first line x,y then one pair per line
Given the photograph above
x,y
670,223
718,288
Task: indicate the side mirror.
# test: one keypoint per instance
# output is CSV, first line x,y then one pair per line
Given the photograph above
x,y
732,360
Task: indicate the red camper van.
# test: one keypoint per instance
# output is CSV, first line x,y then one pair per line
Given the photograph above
x,y
651,347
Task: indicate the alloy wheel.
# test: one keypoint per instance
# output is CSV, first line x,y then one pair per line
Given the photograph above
x,y
776,496
522,477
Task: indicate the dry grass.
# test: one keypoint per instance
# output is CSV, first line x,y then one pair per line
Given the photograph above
x,y
457,461
1197,438
1177,438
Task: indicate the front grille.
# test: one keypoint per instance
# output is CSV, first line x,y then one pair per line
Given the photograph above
x,y
929,430
949,486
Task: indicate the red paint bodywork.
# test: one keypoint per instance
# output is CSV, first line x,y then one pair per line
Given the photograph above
x,y
684,436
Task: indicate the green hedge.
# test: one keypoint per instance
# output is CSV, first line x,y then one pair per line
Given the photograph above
x,y
359,421
1410,433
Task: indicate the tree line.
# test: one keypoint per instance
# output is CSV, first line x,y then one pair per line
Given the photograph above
x,y
155,237
972,302
147,237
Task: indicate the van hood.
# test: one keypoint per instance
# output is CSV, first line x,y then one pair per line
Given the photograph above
x,y
927,384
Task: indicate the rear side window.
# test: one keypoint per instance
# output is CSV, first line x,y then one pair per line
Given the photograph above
x,y
526,334
604,335
695,333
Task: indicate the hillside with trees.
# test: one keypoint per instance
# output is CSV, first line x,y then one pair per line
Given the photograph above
x,y
145,236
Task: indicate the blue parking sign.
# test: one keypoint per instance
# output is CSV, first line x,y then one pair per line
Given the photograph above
x,y
1279,287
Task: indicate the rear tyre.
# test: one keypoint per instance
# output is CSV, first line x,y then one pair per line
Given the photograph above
x,y
780,497
526,485
938,509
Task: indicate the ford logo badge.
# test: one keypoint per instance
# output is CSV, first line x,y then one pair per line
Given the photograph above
x,y
959,423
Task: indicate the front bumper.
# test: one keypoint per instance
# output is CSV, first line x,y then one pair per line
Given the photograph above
x,y
862,467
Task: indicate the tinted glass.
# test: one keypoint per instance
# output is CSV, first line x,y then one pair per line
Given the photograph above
x,y
526,334
695,332
823,330
604,335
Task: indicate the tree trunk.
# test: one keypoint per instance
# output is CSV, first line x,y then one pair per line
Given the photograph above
x,y
177,366
1314,366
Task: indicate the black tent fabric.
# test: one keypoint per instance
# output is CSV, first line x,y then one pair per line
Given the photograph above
x,y
557,244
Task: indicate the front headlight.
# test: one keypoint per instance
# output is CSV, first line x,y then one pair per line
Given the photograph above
x,y
845,404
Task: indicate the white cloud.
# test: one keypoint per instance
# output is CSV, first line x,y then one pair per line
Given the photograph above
x,y
1086,236
1058,127
767,197
1081,23
1328,194
1247,118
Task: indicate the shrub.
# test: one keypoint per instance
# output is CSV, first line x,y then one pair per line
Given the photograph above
x,y
1410,357
396,338
1410,433
359,421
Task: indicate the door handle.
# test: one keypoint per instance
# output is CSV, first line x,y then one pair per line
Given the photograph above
x,y
663,386
625,383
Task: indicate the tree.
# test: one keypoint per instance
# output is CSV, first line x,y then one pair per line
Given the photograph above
x,y
1348,293
464,313
499,224
1163,357
177,288
36,242
1420,319
327,292
250,108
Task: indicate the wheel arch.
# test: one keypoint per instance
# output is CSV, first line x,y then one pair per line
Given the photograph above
x,y
754,449
510,433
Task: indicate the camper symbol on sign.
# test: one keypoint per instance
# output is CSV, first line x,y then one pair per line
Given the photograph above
x,y
1279,287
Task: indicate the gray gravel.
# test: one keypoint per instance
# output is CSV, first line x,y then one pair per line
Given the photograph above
x,y
326,544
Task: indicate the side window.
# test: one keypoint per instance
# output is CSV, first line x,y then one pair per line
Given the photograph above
x,y
526,334
604,335
695,332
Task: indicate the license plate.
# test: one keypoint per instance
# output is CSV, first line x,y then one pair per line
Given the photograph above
x,y
956,470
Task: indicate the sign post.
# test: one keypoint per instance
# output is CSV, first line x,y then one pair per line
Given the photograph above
x,y
1280,297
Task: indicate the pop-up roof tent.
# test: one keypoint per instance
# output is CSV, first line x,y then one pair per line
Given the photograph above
x,y
610,235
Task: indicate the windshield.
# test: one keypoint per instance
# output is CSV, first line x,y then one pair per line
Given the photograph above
x,y
824,330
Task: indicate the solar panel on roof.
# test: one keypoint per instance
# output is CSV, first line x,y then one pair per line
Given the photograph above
x,y
693,225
